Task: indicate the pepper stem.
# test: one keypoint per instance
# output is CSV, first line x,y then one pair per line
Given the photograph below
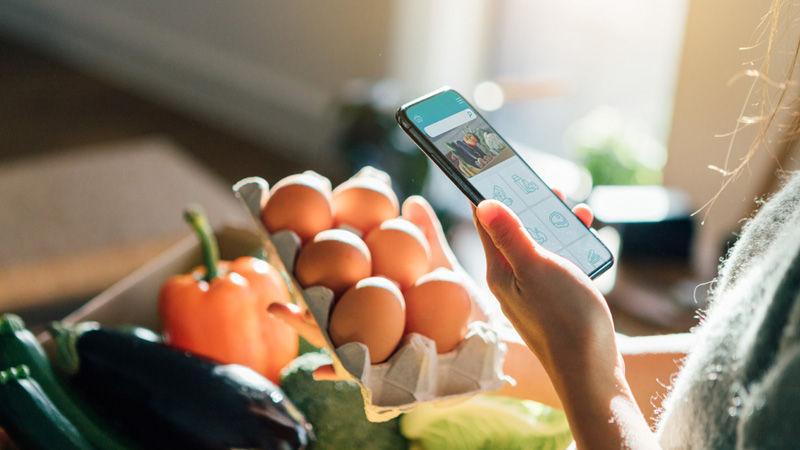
x,y
196,218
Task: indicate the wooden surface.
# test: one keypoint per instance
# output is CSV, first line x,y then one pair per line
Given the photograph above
x,y
76,222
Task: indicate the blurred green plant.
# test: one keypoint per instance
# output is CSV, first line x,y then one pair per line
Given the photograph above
x,y
369,136
616,150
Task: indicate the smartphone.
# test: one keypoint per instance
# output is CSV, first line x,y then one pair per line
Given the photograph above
x,y
482,165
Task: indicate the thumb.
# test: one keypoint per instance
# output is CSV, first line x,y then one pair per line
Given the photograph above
x,y
506,234
294,316
418,211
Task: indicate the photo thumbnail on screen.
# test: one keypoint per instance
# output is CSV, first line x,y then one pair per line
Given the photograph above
x,y
473,146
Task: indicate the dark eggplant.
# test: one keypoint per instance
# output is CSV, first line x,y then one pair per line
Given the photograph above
x,y
172,399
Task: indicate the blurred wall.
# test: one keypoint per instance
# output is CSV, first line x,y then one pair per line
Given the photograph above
x,y
712,94
268,69
273,70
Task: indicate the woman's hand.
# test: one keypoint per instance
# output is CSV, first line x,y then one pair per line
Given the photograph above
x,y
418,211
553,305
564,319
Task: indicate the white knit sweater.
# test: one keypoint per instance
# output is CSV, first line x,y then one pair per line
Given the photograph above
x,y
740,385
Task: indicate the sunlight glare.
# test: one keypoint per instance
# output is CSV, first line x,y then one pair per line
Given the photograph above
x,y
489,96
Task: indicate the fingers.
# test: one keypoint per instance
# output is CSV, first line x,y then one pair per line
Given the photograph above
x,y
584,213
582,210
306,327
508,247
418,211
325,373
293,316
506,232
494,257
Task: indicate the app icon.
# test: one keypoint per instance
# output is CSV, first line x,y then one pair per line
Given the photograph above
x,y
558,220
499,194
593,258
417,118
527,186
537,235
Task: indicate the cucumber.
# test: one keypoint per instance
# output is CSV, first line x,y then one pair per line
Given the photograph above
x,y
19,346
182,400
31,420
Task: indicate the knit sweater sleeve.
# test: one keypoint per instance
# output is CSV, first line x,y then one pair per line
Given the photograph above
x,y
740,385
771,412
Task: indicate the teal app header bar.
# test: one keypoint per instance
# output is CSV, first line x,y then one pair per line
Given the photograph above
x,y
437,108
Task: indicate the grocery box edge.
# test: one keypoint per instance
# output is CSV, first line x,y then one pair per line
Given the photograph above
x,y
133,300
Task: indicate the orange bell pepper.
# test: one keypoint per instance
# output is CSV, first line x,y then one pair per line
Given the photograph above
x,y
219,310
281,339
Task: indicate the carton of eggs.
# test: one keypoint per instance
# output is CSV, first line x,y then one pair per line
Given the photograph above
x,y
395,326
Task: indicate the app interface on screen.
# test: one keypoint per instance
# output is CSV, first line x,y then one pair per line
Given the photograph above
x,y
497,172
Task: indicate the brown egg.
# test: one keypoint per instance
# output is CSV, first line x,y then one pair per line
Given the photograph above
x,y
300,203
438,306
336,259
364,201
399,251
373,313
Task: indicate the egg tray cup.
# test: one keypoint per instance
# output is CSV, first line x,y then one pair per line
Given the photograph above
x,y
415,373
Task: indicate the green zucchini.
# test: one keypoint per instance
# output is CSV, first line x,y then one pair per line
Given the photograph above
x,y
19,346
182,400
31,420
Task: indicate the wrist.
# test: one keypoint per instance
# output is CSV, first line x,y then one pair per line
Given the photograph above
x,y
595,378
599,402
581,350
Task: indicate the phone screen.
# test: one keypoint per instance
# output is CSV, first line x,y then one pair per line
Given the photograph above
x,y
482,164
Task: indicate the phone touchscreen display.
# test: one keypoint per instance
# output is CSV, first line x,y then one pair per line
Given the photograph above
x,y
484,158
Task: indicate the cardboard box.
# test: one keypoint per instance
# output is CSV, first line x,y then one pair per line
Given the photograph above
x,y
133,300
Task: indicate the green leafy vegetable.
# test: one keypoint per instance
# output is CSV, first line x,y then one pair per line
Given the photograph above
x,y
336,409
487,422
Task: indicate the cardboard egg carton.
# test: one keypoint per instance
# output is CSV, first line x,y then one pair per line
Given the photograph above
x,y
415,373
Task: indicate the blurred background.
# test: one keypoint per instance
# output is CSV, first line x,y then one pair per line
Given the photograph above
x,y
114,114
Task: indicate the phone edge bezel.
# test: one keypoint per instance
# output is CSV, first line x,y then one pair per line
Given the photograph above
x,y
459,179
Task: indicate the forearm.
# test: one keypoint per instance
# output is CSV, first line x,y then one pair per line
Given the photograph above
x,y
599,404
650,364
